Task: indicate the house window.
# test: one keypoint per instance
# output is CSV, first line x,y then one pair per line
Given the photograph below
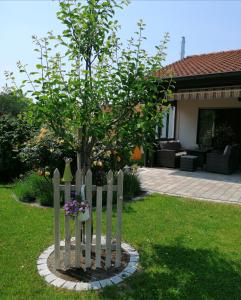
x,y
167,130
211,120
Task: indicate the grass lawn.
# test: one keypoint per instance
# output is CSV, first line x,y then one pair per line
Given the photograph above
x,y
188,250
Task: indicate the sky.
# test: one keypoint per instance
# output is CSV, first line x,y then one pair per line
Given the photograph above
x,y
208,26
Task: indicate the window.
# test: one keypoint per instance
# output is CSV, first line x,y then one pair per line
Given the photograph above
x,y
167,131
212,121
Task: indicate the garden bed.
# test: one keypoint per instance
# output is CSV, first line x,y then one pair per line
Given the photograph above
x,y
91,274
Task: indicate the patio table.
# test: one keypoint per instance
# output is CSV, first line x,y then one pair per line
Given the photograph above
x,y
201,155
188,163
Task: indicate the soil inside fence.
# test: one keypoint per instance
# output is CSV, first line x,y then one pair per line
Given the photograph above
x,y
91,274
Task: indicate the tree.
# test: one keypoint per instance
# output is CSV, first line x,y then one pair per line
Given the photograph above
x,y
12,103
94,92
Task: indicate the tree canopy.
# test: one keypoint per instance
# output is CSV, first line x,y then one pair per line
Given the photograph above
x,y
93,91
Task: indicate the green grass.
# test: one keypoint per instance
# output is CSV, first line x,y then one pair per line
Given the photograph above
x,y
188,250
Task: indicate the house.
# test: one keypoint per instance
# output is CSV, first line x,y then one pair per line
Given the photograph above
x,y
207,97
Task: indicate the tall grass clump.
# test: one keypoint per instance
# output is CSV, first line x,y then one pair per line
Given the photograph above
x,y
131,186
33,187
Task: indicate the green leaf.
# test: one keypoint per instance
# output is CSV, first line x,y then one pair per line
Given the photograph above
x,y
39,66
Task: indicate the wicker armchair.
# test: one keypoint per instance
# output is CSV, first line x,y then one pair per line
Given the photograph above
x,y
169,154
224,163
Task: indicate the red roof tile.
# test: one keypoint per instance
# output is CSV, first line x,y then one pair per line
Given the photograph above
x,y
211,63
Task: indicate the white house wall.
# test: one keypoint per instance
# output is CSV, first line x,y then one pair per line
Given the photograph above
x,y
187,117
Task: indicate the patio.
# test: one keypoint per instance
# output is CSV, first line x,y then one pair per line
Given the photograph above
x,y
199,184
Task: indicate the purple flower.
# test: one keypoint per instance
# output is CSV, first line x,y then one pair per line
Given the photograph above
x,y
73,208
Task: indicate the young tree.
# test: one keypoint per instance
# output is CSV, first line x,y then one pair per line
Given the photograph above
x,y
94,92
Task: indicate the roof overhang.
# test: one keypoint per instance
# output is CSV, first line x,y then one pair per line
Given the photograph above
x,y
205,80
206,94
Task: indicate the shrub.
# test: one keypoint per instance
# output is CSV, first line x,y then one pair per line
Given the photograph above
x,y
46,151
14,132
35,188
131,187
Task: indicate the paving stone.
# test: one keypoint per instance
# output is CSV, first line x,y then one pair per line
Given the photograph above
x,y
132,264
130,249
130,270
105,282
49,278
58,282
116,279
44,256
124,246
70,285
95,285
82,286
124,274
134,258
41,261
42,267
50,249
44,272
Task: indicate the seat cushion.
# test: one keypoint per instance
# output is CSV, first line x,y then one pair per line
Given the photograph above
x,y
181,153
170,145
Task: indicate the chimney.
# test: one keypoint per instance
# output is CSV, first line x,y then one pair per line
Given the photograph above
x,y
183,47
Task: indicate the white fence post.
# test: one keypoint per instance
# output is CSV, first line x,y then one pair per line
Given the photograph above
x,y
67,188
119,217
109,219
98,226
78,224
88,223
56,186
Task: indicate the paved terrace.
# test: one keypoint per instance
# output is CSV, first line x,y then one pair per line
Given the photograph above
x,y
199,184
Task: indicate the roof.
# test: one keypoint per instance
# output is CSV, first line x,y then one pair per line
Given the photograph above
x,y
204,64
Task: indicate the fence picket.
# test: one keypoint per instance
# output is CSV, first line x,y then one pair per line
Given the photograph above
x,y
98,226
67,229
88,223
109,219
56,186
78,224
119,218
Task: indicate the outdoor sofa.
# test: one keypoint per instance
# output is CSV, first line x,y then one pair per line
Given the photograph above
x,y
224,163
169,153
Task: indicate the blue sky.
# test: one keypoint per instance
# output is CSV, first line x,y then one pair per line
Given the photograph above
x,y
207,25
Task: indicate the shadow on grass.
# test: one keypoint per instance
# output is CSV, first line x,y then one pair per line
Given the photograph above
x,y
175,272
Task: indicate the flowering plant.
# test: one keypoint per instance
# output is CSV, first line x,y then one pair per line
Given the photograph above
x,y
72,208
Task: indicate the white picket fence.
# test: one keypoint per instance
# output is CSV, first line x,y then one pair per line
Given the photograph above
x,y
83,247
